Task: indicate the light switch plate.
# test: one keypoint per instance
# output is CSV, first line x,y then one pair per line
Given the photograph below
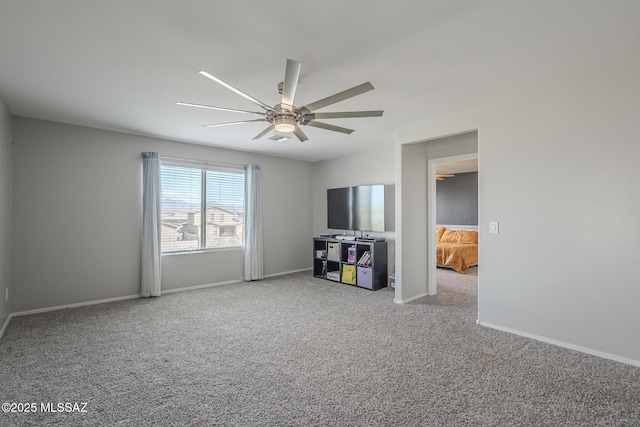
x,y
493,227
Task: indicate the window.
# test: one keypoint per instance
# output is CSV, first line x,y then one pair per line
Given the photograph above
x,y
193,196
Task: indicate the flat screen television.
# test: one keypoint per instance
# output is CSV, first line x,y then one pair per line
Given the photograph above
x,y
356,208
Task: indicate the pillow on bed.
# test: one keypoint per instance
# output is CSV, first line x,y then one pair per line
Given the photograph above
x,y
451,236
460,236
439,232
469,236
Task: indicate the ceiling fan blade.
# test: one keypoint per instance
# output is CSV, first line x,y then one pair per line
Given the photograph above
x,y
234,123
291,76
343,115
210,107
327,126
238,91
341,96
264,132
301,136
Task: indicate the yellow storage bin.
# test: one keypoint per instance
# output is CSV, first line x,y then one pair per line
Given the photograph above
x,y
349,274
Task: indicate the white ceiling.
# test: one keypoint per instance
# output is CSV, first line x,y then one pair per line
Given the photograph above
x,y
122,64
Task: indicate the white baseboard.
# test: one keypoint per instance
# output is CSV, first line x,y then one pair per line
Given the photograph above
x,y
228,282
288,272
79,304
193,288
404,301
6,323
164,291
562,344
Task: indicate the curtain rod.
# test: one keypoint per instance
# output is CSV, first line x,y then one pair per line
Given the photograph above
x,y
202,162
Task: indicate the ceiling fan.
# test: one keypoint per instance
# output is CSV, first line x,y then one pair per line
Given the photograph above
x,y
442,176
285,117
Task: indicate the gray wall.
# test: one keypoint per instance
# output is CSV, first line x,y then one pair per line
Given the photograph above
x,y
78,204
559,172
6,213
375,166
457,199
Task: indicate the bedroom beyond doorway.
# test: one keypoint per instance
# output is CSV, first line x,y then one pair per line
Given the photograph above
x,y
453,217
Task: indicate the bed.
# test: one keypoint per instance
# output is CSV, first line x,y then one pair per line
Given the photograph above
x,y
456,248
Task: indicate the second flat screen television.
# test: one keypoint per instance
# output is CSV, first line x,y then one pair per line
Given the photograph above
x,y
356,208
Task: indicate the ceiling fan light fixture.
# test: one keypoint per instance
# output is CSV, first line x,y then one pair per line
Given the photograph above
x,y
285,124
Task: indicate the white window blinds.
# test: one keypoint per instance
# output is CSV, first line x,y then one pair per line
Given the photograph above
x,y
202,206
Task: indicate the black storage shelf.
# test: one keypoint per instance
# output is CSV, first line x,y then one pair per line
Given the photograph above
x,y
330,256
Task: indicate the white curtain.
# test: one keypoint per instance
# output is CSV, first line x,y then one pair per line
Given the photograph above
x,y
252,250
151,259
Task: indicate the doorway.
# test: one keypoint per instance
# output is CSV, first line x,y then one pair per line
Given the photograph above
x,y
445,167
415,209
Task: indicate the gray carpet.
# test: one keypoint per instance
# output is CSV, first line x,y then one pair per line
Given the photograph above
x,y
301,351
